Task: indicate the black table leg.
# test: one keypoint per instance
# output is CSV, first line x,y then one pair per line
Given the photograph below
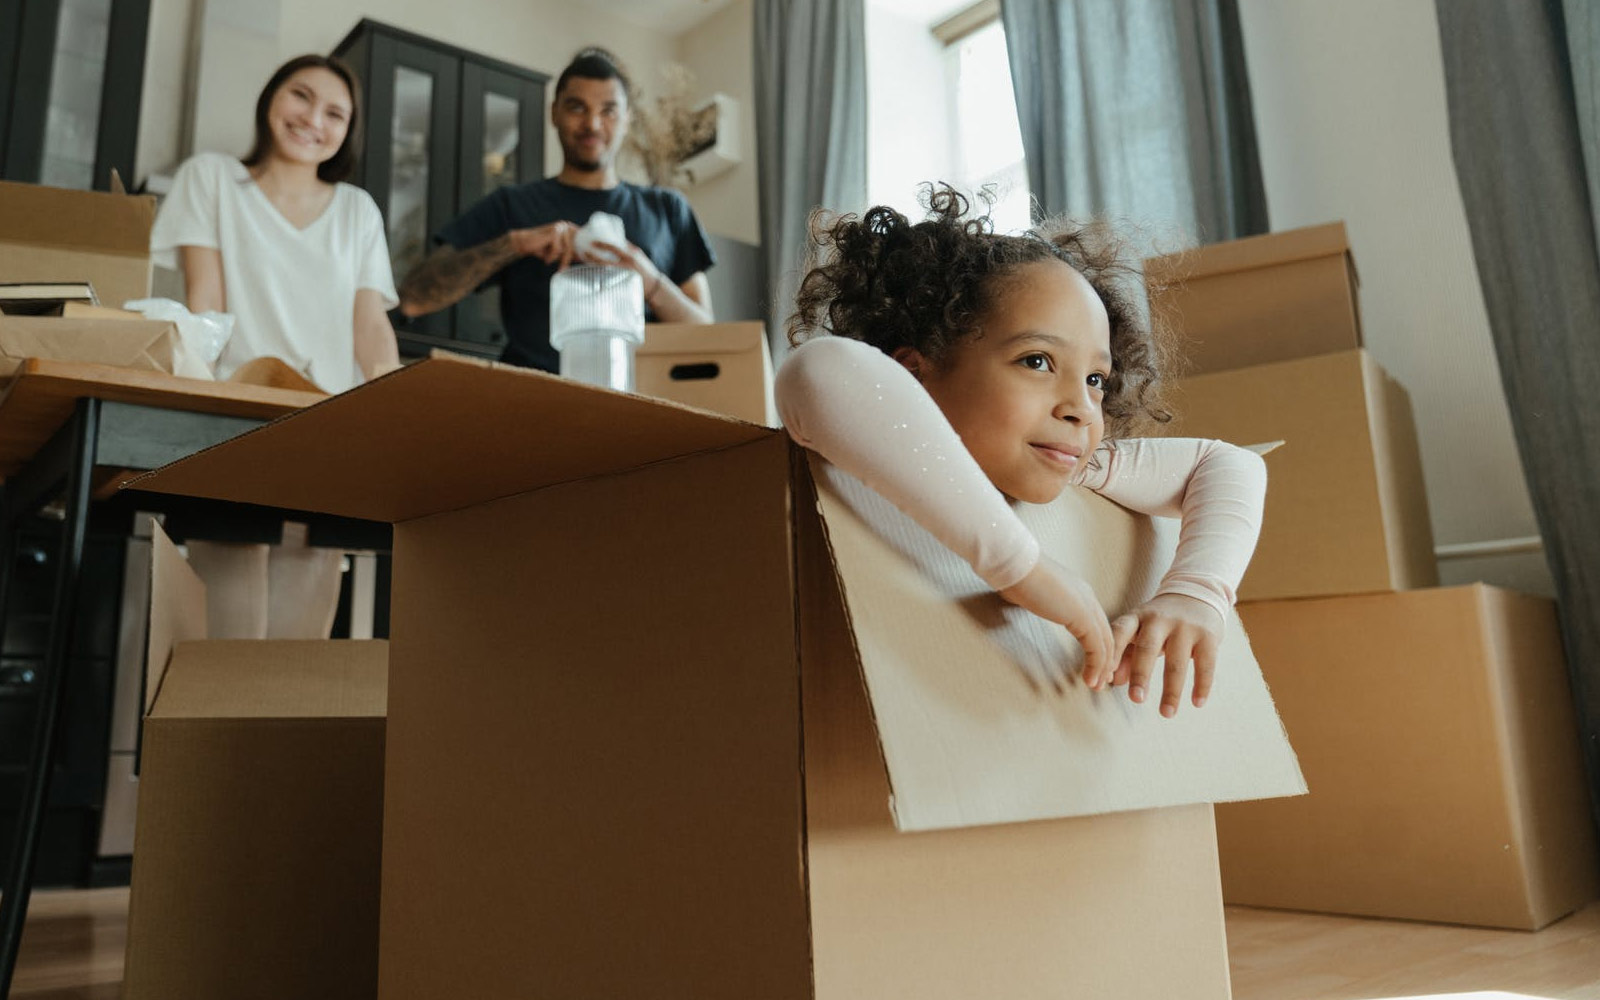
x,y
69,458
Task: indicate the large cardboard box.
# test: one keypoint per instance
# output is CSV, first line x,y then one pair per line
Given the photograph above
x,y
56,234
722,367
1437,733
673,715
1261,299
151,345
257,851
1346,511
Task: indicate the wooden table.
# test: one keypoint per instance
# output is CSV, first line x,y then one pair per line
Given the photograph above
x,y
40,396
59,421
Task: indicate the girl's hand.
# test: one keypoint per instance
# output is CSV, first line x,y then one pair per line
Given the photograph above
x,y
1177,627
1053,593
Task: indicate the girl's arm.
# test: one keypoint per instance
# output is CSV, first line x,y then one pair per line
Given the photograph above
x,y
377,353
203,287
1217,489
864,412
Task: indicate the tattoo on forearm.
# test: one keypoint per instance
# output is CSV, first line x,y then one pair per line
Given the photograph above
x,y
449,275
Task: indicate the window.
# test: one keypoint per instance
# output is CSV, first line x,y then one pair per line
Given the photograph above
x,y
986,139
942,108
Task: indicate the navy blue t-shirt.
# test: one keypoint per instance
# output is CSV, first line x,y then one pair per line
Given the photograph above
x,y
657,220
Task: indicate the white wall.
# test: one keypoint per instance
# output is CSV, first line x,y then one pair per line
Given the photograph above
x,y
1351,119
719,52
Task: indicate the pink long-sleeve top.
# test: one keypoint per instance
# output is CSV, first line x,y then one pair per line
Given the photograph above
x,y
864,412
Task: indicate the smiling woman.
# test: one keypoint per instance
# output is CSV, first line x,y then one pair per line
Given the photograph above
x,y
281,242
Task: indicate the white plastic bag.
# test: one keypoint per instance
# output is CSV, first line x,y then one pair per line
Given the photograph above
x,y
205,334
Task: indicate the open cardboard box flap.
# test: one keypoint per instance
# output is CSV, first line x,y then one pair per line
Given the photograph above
x,y
491,431
955,677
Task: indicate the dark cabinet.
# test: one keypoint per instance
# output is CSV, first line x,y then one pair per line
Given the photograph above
x,y
444,127
71,74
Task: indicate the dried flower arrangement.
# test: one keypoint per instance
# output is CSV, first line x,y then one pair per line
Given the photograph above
x,y
667,133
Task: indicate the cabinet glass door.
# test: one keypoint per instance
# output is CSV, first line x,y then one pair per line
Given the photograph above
x,y
502,143
73,106
412,174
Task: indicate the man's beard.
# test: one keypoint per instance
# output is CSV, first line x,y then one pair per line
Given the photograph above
x,y
587,166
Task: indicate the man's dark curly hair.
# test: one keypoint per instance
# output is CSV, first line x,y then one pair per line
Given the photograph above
x,y
893,283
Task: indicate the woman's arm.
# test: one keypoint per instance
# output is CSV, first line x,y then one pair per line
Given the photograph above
x,y
377,352
203,287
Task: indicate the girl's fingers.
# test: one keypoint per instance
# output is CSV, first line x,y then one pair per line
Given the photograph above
x,y
1146,648
1205,668
1122,633
1178,652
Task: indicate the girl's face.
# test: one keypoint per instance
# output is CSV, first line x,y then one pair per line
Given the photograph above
x,y
309,116
1025,393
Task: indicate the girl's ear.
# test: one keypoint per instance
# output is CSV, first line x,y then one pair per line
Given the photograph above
x,y
913,360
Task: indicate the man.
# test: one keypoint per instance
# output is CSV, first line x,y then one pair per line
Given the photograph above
x,y
519,237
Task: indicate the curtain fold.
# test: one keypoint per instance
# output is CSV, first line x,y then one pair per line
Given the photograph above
x,y
1518,145
1138,109
811,99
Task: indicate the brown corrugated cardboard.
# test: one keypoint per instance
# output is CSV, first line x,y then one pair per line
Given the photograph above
x,y
1262,299
723,367
1346,508
150,345
1438,736
257,851
613,760
56,234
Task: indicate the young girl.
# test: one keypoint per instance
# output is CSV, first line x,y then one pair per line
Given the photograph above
x,y
278,240
967,371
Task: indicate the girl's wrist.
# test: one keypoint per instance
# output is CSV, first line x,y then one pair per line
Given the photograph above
x,y
649,297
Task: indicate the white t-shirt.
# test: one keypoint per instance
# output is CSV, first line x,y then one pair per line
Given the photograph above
x,y
292,291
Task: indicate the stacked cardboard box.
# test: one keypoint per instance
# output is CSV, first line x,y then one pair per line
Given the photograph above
x,y
1435,726
56,236
670,713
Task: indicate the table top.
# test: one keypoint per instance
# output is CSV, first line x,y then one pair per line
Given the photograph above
x,y
41,394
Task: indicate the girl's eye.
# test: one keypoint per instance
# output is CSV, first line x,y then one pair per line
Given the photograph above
x,y
1097,381
1036,362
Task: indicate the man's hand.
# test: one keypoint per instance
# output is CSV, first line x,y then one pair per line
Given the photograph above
x,y
630,257
1181,629
552,242
1055,594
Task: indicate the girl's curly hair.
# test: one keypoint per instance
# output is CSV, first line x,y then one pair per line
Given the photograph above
x,y
882,279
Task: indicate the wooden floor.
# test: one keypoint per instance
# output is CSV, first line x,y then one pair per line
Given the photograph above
x,y
73,951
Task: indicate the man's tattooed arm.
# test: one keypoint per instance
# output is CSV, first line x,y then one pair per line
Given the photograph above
x,y
449,275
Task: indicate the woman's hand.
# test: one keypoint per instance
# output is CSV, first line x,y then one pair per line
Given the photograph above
x,y
1181,629
1055,594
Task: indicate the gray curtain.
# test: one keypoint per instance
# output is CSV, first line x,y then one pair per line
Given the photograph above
x,y
1526,181
811,130
1138,109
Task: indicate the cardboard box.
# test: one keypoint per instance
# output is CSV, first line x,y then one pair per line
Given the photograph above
x,y
55,234
722,367
150,345
1346,511
1438,736
256,856
1262,299
662,722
